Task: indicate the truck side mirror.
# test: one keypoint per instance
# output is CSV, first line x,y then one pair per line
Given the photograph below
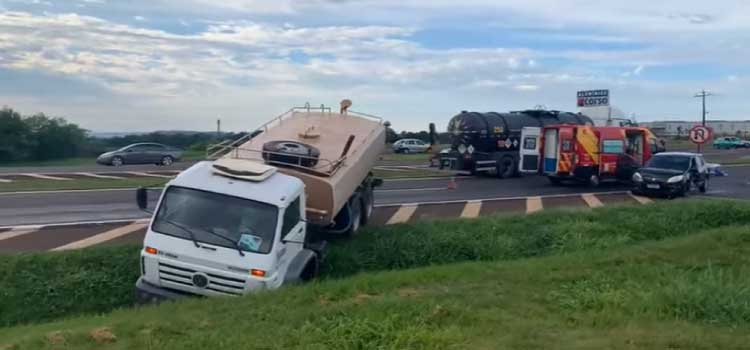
x,y
141,197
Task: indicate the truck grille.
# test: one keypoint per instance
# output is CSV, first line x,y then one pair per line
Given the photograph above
x,y
170,274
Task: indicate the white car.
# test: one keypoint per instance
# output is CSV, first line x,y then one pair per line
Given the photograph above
x,y
410,146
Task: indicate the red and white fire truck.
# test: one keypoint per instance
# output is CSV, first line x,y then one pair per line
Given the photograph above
x,y
586,153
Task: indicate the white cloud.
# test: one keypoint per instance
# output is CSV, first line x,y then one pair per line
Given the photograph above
x,y
139,18
526,87
277,51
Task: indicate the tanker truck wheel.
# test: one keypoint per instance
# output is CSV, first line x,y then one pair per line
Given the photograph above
x,y
355,217
506,167
368,207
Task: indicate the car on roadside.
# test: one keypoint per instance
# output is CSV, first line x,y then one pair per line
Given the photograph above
x,y
410,146
672,174
730,142
142,153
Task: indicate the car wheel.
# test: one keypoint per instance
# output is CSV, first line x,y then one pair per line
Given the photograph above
x,y
117,161
167,161
405,151
704,186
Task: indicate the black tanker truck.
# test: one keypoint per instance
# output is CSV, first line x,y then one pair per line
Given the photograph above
x,y
490,142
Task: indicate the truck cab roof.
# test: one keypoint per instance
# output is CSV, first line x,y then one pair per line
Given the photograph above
x,y
278,189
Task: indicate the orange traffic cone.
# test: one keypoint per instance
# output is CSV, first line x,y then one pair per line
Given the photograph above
x,y
452,184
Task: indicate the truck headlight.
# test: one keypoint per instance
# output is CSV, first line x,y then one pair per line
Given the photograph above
x,y
637,177
675,179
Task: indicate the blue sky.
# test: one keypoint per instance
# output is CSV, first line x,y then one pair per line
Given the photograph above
x,y
145,65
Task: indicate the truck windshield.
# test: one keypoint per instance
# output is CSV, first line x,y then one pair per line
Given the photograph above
x,y
250,224
680,163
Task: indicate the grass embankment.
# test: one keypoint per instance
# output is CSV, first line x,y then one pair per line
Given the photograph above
x,y
41,287
80,184
189,155
687,292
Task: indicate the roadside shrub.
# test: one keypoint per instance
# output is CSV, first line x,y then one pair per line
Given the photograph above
x,y
504,238
39,287
45,286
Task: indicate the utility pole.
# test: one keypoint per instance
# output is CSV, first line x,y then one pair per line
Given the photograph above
x,y
703,94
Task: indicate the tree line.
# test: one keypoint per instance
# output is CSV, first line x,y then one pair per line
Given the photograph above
x,y
41,137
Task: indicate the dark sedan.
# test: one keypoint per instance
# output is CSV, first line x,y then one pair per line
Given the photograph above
x,y
672,174
141,153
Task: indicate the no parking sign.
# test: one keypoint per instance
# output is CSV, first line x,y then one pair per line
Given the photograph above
x,y
699,134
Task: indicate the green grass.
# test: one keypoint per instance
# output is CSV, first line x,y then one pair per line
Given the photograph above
x,y
188,155
681,293
45,286
80,184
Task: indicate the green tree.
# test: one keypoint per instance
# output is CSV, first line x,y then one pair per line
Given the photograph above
x,y
15,136
54,137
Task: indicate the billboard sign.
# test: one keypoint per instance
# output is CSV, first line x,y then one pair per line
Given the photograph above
x,y
593,98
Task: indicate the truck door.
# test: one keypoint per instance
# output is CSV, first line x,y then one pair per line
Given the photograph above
x,y
530,150
292,238
550,151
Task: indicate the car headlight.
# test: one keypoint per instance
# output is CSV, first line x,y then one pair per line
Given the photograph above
x,y
637,177
677,178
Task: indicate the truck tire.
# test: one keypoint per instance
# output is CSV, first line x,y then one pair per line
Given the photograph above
x,y
291,152
594,181
356,217
311,270
368,206
506,167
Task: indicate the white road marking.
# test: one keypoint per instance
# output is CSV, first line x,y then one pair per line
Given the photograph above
x,y
75,191
18,232
47,177
5,181
641,199
534,204
102,237
138,173
490,199
591,200
64,224
99,176
471,209
403,214
414,189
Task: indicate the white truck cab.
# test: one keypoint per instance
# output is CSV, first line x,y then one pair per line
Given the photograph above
x,y
217,235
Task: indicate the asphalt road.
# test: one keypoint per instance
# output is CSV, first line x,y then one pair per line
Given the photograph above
x,y
77,206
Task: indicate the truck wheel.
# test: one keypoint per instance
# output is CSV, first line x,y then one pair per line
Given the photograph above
x,y
594,181
506,167
368,207
356,218
310,271
704,186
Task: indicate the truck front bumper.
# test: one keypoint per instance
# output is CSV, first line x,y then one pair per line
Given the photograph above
x,y
147,293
